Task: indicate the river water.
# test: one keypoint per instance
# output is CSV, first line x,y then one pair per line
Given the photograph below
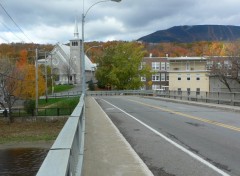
x,y
21,161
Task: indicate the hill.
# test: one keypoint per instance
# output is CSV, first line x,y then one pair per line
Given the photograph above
x,y
189,34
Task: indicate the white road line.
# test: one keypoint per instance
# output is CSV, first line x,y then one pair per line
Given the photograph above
x,y
172,142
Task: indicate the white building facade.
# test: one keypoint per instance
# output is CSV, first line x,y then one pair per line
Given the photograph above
x,y
65,62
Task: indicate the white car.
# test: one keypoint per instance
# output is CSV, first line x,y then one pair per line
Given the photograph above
x,y
2,110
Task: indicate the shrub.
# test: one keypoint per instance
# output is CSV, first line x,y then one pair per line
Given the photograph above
x,y
29,106
91,85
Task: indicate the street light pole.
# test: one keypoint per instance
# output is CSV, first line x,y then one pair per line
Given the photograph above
x,y
82,44
46,78
36,79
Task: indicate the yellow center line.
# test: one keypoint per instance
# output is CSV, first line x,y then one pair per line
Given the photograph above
x,y
190,116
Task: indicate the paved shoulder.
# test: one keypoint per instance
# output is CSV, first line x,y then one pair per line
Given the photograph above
x,y
107,153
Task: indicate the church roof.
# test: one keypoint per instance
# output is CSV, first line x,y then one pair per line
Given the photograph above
x,y
88,63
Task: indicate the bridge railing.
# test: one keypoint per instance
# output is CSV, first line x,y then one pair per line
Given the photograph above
x,y
232,98
120,92
229,98
65,157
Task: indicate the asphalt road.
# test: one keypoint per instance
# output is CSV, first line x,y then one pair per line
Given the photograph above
x,y
178,139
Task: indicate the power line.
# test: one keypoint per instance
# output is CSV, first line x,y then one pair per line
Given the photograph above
x,y
11,31
15,23
4,39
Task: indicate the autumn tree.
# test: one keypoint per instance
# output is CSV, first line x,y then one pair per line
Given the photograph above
x,y
11,79
119,66
28,71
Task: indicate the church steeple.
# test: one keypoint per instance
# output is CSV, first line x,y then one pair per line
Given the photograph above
x,y
76,34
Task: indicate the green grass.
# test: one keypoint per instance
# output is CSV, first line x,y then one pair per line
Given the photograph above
x,y
59,102
57,106
61,88
29,131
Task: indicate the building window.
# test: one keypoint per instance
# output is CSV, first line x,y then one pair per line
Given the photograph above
x,y
187,66
188,91
179,91
209,65
143,65
156,77
227,64
198,77
179,77
167,76
167,65
198,91
188,77
163,65
74,43
155,65
155,87
143,78
163,77
219,65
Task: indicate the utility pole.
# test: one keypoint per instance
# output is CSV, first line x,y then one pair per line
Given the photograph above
x,y
46,76
52,75
36,81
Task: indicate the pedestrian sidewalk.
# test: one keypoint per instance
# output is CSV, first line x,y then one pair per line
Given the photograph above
x,y
107,153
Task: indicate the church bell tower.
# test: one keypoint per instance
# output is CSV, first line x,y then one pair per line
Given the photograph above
x,y
75,49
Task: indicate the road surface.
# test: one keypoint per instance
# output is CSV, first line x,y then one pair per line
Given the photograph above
x,y
178,139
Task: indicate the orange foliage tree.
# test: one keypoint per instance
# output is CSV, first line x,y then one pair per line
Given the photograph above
x,y
28,71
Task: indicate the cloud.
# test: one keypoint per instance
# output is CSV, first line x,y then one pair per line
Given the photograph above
x,y
48,21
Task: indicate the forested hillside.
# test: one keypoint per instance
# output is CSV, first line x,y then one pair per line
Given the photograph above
x,y
197,33
13,50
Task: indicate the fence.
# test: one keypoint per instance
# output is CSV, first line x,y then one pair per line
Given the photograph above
x,y
208,97
65,157
227,98
20,112
65,94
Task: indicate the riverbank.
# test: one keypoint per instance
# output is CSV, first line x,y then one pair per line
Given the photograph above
x,y
35,133
34,144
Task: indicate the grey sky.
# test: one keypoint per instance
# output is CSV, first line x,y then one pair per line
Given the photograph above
x,y
51,21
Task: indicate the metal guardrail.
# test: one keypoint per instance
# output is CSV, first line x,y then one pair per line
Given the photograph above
x,y
228,98
65,94
65,157
120,92
232,98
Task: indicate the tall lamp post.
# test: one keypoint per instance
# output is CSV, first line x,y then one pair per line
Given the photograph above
x,y
84,14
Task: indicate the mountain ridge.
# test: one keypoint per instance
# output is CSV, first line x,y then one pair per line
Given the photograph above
x,y
194,33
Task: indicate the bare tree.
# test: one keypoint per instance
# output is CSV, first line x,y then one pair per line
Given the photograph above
x,y
68,68
227,70
10,85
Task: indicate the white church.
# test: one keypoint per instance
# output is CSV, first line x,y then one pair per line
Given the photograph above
x,y
65,62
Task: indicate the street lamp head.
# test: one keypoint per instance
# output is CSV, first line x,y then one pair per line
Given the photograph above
x,y
116,0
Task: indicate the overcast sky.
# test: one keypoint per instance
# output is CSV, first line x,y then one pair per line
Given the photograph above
x,y
52,21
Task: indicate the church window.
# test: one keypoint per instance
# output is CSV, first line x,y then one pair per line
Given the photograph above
x,y
74,43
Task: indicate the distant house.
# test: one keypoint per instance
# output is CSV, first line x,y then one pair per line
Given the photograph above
x,y
64,61
188,74
222,72
160,77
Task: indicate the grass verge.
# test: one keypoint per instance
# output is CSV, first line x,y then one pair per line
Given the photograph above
x,y
61,88
59,102
30,131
